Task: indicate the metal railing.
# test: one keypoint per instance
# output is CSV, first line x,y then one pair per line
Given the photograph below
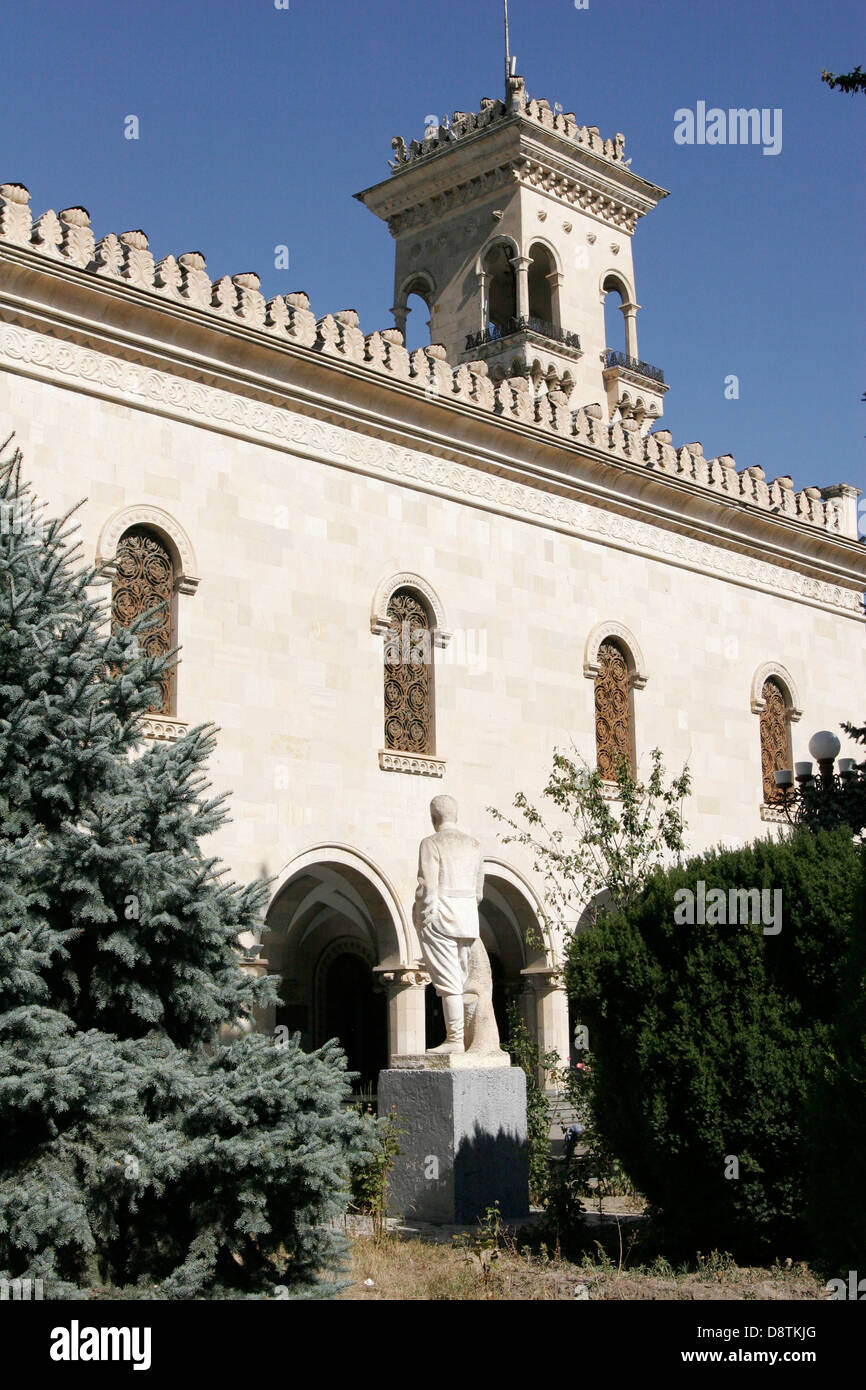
x,y
525,324
619,359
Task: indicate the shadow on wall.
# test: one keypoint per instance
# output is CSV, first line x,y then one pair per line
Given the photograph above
x,y
488,1168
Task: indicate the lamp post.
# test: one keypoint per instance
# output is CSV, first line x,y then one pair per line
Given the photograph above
x,y
824,747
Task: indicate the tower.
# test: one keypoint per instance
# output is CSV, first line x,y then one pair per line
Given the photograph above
x,y
513,224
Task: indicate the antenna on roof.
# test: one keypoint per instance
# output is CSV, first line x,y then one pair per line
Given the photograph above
x,y
507,51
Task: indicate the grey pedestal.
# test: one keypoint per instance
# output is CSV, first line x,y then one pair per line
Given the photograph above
x,y
463,1143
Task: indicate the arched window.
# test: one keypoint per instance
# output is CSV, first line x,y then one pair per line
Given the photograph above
x,y
501,287
614,298
775,735
144,580
418,316
409,724
614,724
541,286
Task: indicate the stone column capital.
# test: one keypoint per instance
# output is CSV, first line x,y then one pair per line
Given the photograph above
x,y
544,977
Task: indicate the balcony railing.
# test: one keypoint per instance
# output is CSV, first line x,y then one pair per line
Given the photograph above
x,y
619,359
525,324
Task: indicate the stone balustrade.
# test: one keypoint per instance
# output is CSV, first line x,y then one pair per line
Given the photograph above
x,y
68,238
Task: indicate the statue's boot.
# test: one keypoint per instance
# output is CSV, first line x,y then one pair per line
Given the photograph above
x,y
452,1007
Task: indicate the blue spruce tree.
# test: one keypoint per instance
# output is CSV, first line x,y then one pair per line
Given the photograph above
x,y
138,1152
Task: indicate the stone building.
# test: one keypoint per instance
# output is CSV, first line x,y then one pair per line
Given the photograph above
x,y
395,574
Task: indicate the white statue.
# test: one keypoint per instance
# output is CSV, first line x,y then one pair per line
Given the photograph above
x,y
450,887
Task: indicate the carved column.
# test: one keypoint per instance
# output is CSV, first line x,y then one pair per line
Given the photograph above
x,y
551,1010
483,294
555,280
405,986
629,313
521,265
400,316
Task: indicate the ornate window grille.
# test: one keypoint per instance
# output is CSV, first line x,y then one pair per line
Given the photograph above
x,y
613,718
409,676
144,579
775,736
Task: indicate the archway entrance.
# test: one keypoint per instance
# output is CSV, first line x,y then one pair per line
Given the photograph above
x,y
352,1007
327,930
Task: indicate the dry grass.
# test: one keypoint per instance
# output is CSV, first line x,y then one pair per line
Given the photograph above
x,y
401,1266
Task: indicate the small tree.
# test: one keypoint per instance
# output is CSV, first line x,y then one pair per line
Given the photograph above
x,y
600,855
593,862
136,1151
854,81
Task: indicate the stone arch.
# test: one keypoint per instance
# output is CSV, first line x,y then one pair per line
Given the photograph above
x,y
776,671
418,282
334,930
422,284
497,279
405,579
543,280
550,248
501,239
166,527
526,973
614,280
394,942
638,675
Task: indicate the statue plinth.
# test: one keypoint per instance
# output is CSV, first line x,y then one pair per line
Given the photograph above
x,y
449,1061
463,1137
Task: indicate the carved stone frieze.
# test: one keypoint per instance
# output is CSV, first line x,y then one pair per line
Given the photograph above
x,y
422,766
161,727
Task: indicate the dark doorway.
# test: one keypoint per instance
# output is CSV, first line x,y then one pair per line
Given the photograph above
x,y
500,996
434,1017
356,1013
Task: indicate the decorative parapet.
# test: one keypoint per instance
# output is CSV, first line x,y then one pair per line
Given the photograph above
x,y
464,123
68,239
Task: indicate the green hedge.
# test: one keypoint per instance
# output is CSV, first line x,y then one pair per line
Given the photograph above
x,y
711,1042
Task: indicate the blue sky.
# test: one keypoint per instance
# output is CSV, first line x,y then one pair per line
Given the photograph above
x,y
257,125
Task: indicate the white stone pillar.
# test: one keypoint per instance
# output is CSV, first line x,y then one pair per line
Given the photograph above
x,y
405,987
555,280
551,1012
629,313
400,316
483,294
521,265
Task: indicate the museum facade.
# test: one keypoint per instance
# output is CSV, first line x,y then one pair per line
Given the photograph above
x,y
394,574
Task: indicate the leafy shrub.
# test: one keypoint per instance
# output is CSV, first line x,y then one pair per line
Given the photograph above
x,y
370,1177
708,1040
525,1053
836,1209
